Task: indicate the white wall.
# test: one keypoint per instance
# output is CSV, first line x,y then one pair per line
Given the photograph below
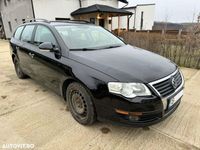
x,y
112,3
135,20
148,16
50,9
123,19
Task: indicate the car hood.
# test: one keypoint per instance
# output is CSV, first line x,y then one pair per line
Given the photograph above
x,y
126,63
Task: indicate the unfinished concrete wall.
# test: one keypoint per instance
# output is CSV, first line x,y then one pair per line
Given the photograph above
x,y
13,12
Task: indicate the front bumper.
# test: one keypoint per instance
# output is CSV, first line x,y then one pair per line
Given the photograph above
x,y
152,110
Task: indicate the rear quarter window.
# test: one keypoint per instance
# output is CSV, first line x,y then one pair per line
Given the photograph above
x,y
18,32
27,33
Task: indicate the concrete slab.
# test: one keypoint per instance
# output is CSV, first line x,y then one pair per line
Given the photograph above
x,y
30,113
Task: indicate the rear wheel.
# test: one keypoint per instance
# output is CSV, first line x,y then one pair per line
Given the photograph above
x,y
18,70
80,104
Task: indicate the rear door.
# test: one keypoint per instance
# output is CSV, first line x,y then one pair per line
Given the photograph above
x,y
15,43
26,48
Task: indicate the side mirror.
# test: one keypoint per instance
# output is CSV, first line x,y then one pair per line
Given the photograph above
x,y
46,46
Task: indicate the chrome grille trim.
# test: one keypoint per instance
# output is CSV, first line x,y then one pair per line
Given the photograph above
x,y
165,78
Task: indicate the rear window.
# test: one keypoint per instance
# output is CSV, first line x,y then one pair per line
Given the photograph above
x,y
27,33
18,32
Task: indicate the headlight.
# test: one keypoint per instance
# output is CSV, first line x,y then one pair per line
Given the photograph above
x,y
129,90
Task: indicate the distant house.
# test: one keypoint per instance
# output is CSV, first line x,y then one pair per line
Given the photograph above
x,y
100,12
167,26
186,27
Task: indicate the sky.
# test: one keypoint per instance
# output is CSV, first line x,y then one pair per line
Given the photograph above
x,y
177,11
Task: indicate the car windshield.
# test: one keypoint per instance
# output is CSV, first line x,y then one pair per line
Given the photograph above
x,y
87,37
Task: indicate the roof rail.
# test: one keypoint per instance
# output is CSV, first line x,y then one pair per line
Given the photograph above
x,y
72,21
35,20
47,21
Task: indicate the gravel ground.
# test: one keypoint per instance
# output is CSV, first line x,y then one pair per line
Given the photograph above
x,y
30,113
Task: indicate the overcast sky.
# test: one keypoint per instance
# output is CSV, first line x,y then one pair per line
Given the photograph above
x,y
173,10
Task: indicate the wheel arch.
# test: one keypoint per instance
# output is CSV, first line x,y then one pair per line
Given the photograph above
x,y
65,84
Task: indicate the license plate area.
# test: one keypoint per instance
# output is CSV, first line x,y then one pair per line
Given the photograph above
x,y
174,99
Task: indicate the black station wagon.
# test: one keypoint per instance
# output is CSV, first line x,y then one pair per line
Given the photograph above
x,y
98,74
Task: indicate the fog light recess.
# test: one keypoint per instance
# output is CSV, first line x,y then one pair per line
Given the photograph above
x,y
133,118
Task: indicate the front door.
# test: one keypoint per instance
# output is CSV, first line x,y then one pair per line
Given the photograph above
x,y
102,23
46,66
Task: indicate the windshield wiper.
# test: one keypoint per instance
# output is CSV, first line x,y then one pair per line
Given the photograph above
x,y
112,46
90,49
82,49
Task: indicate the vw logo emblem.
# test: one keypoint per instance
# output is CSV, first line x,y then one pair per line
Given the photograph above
x,y
174,83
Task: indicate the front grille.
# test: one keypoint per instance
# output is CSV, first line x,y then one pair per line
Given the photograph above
x,y
166,88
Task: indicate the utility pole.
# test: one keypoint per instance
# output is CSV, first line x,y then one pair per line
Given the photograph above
x,y
198,18
80,3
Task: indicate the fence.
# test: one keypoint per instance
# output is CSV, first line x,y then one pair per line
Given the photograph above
x,y
184,49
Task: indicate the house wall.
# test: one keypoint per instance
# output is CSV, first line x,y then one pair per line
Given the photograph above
x,y
135,20
14,11
50,9
123,20
112,3
149,14
63,8
95,15
131,20
87,17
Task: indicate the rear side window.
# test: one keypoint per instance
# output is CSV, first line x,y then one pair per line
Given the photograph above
x,y
43,34
18,32
27,33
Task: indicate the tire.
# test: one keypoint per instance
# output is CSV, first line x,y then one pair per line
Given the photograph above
x,y
80,104
18,70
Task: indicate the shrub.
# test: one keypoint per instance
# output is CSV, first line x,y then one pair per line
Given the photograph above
x,y
184,50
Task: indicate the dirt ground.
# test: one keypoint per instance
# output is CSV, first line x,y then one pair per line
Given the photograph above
x,y
30,113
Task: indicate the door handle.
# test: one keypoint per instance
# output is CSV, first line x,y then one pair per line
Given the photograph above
x,y
17,47
31,54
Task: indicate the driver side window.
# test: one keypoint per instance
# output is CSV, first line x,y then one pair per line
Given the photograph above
x,y
43,34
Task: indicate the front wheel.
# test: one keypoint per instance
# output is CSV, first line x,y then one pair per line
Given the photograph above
x,y
18,70
80,104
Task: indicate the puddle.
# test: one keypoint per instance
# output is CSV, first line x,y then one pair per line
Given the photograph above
x,y
3,96
6,108
67,108
62,109
105,130
36,90
44,90
146,128
13,105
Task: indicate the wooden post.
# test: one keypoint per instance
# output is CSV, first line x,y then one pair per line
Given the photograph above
x,y
179,33
111,23
118,25
127,23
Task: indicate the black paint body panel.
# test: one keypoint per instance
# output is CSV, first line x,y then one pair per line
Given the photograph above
x,y
94,69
